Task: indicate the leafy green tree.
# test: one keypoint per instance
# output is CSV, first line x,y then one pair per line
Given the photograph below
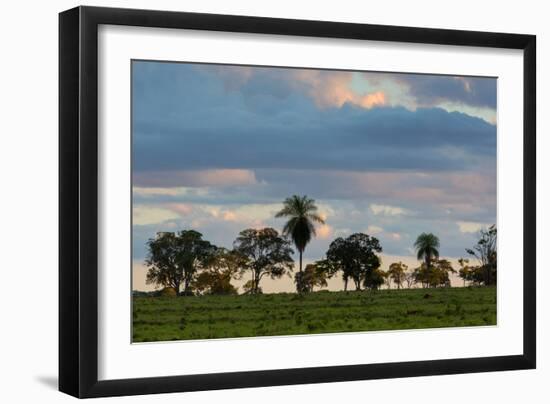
x,y
397,272
313,275
421,276
375,278
466,271
194,253
302,214
485,251
222,267
427,249
174,258
356,258
443,269
437,275
163,267
212,283
265,253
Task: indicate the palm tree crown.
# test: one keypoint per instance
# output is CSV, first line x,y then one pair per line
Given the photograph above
x,y
426,246
302,214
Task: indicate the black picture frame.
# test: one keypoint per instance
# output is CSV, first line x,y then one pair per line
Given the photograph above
x,y
78,201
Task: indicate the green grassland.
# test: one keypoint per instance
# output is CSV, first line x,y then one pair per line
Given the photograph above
x,y
203,317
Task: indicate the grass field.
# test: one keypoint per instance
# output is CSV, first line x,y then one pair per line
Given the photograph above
x,y
203,317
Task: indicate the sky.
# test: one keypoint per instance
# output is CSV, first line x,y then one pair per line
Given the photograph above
x,y
217,148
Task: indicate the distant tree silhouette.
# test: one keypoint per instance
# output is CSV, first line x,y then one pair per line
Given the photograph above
x,y
174,258
375,278
265,253
397,272
485,250
436,276
427,249
356,258
302,214
443,269
222,267
314,275
466,271
163,270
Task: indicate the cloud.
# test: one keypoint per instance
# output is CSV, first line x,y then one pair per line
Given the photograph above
x,y
431,89
218,149
233,77
476,91
381,233
454,196
256,211
199,214
158,182
471,227
388,191
180,208
144,215
387,210
326,88
324,231
296,118
229,216
348,138
333,89
487,114
344,232
374,229
151,191
221,224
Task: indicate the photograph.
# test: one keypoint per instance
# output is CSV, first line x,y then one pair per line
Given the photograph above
x,y
276,201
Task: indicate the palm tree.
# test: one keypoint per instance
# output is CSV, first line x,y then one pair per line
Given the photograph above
x,y
426,246
302,213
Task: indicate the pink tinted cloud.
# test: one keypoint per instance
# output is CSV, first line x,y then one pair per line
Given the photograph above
x,y
229,216
473,182
324,231
333,89
182,209
419,186
446,189
196,178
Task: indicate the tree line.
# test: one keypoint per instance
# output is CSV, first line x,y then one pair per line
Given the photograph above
x,y
183,259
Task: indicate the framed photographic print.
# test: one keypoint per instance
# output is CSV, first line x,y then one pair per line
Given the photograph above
x,y
241,195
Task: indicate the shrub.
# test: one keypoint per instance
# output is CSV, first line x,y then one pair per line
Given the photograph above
x,y
168,292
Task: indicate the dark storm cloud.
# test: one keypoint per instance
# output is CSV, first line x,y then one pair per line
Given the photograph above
x,y
178,109
473,91
430,89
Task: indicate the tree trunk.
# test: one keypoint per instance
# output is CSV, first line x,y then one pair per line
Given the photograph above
x,y
186,286
346,285
428,270
300,261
